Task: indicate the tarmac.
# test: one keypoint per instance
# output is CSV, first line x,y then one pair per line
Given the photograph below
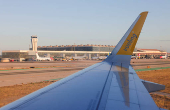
x,y
45,64
27,72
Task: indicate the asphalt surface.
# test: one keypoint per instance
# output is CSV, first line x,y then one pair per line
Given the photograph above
x,y
57,70
45,64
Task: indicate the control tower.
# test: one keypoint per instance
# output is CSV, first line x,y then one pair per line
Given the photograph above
x,y
34,41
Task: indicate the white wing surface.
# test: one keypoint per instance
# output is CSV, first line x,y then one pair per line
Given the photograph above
x,y
110,85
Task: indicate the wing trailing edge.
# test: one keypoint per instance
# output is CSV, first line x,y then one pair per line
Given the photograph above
x,y
152,87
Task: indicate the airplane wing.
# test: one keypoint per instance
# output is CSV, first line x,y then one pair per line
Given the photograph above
x,y
110,85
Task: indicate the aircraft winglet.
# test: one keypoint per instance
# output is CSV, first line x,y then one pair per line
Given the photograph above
x,y
131,40
127,44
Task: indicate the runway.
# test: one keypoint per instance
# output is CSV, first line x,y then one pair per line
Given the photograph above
x,y
57,70
39,71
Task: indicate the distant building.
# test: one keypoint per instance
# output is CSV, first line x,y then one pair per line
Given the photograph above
x,y
72,50
150,52
99,48
27,54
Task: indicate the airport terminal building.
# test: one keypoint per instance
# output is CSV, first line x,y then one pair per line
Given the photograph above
x,y
28,54
72,50
60,51
103,48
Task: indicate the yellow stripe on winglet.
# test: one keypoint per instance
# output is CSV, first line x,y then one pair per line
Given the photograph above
x,y
129,44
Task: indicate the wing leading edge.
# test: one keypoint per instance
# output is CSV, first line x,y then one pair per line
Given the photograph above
x,y
110,85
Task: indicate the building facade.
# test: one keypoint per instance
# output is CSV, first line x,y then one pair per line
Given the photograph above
x,y
102,48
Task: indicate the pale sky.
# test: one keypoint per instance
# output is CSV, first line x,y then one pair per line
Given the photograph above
x,y
65,22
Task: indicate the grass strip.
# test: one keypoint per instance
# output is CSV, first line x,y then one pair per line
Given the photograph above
x,y
53,79
149,69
